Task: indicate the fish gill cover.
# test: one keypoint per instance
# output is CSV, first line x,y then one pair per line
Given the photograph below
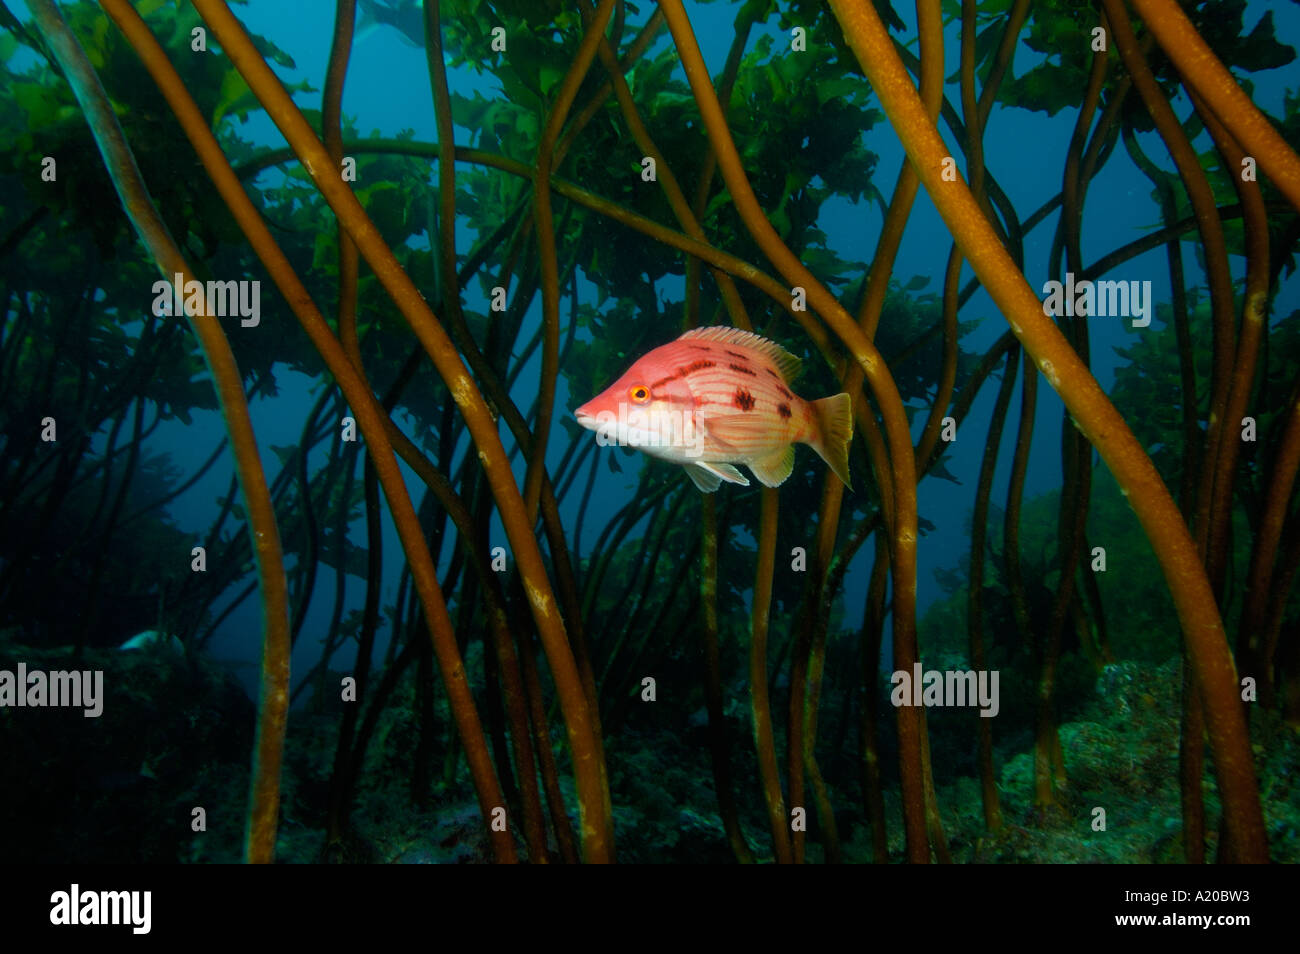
x,y
291,347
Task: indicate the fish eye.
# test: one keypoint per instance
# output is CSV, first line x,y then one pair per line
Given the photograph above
x,y
639,394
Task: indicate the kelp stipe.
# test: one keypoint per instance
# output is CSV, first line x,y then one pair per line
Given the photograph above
x,y
606,613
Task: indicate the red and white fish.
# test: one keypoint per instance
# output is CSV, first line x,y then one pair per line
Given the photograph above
x,y
717,397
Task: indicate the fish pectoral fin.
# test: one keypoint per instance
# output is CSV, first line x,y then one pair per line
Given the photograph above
x,y
708,475
773,471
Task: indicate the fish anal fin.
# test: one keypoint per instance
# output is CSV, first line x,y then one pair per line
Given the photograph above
x,y
773,471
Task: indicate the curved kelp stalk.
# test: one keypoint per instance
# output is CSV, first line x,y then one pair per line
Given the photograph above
x,y
719,749
760,701
903,539
598,589
134,195
596,828
1097,419
1202,72
380,435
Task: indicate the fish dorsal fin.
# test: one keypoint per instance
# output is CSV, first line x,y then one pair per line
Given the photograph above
x,y
785,362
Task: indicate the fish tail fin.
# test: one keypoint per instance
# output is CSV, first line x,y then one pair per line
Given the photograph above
x,y
834,417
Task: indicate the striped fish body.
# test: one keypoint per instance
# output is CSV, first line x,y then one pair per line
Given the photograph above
x,y
717,397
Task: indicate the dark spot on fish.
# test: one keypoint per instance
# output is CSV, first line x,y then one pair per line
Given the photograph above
x,y
773,373
654,385
743,370
785,393
737,354
783,410
700,347
744,400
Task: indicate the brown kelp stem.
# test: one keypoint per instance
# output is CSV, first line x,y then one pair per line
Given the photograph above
x,y
975,595
501,401
913,764
718,747
1002,62
446,170
873,626
647,558
672,190
975,165
933,818
565,842
545,227
1277,498
344,774
903,542
1015,497
1076,456
808,744
704,183
1202,71
722,260
620,525
309,561
1208,502
341,779
1168,202
508,663
1284,676
573,699
804,680
929,25
1216,255
104,541
1097,417
1191,768
369,415
1251,333
760,704
134,195
634,52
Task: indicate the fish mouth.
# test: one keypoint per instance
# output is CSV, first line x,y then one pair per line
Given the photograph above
x,y
586,419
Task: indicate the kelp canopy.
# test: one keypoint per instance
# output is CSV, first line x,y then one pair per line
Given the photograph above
x,y
401,275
